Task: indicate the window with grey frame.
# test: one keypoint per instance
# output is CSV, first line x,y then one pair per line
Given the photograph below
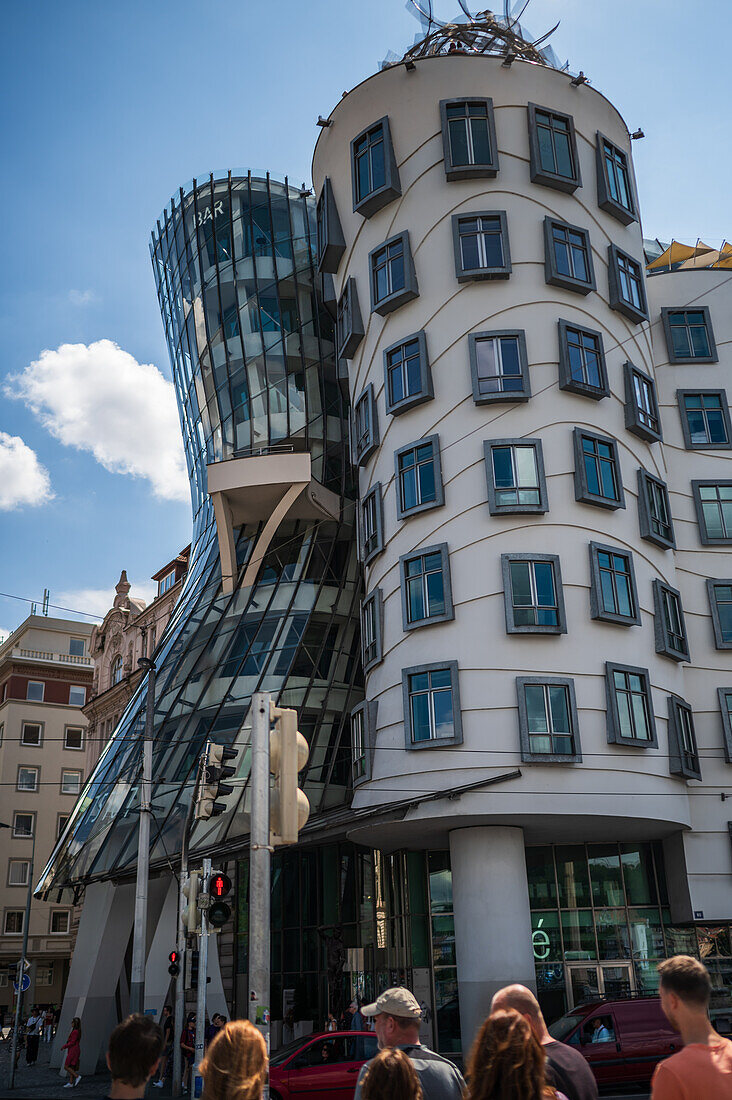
x,y
548,723
654,511
725,708
372,615
669,625
372,524
469,142
533,594
641,404
689,335
407,374
568,256
705,419
499,366
713,503
515,476
627,289
363,721
392,277
419,477
720,605
629,706
597,476
374,169
349,326
480,243
431,702
582,361
553,158
425,587
613,592
615,193
365,426
682,748
331,244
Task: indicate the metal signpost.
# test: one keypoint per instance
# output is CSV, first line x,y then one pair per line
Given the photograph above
x,y
259,871
139,943
203,902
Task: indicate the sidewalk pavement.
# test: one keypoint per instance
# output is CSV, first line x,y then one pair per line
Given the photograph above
x,y
41,1082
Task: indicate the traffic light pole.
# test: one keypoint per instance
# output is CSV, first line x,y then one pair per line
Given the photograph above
x,y
180,981
139,943
259,871
202,979
21,968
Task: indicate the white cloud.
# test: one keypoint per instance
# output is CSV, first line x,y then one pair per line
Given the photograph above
x,y
4,634
98,398
97,601
22,478
82,297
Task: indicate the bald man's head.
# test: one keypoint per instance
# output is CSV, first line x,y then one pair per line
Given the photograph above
x,y
522,1000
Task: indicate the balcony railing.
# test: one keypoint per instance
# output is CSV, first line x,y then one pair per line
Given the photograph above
x,y
58,658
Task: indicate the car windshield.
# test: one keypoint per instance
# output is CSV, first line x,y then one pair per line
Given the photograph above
x,y
561,1028
288,1050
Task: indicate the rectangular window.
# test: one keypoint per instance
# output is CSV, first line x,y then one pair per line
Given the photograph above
x,y
468,138
553,149
166,583
73,737
18,871
60,922
77,696
689,335
365,427
515,472
419,477
725,705
31,733
713,501
614,183
331,243
27,779
44,974
641,404
70,782
407,375
669,624
349,326
371,629
630,711
426,589
61,824
548,719
76,647
374,169
582,362
431,705
654,511
372,524
358,743
532,588
481,246
14,922
682,748
34,691
613,595
23,825
393,281
705,419
568,256
627,290
499,366
597,477
720,603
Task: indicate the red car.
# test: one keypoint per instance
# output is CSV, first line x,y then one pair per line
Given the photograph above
x,y
323,1066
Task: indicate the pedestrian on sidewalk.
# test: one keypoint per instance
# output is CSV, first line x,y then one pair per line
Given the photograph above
x,y
33,1036
391,1076
704,1067
566,1069
133,1055
235,1065
507,1062
168,1032
72,1046
48,1024
188,1047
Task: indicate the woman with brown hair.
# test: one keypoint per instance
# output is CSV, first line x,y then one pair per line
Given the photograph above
x,y
507,1062
391,1076
235,1065
73,1057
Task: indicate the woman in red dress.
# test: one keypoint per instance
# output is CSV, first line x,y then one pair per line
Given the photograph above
x,y
73,1047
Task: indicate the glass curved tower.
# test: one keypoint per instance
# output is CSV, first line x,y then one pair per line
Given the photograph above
x,y
253,363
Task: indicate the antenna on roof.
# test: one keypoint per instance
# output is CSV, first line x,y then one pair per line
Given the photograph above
x,y
46,598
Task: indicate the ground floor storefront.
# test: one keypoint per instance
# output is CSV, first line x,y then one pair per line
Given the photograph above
x,y
47,978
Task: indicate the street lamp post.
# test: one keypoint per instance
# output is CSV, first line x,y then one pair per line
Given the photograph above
x,y
21,968
139,944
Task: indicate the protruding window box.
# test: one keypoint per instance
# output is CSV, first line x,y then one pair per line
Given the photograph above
x,y
548,723
630,719
626,286
431,700
705,419
683,754
374,169
553,158
419,477
613,593
363,740
515,476
469,138
499,366
425,586
349,326
615,190
392,278
669,625
371,527
407,375
365,426
597,475
713,503
568,256
533,594
372,629
331,243
720,605
641,404
654,511
689,335
480,242
582,361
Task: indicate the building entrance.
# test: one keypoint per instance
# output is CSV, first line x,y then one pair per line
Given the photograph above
x,y
610,979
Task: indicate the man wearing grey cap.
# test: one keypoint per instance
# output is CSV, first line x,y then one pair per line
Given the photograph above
x,y
396,1015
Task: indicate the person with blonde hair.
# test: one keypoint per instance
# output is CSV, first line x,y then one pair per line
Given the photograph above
x,y
391,1076
507,1062
235,1065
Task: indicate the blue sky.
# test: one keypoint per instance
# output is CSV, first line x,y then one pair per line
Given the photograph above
x,y
110,106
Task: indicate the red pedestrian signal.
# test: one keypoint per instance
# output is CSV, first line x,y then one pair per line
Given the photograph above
x,y
220,885
174,968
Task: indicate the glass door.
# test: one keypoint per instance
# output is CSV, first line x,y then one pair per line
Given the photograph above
x,y
586,982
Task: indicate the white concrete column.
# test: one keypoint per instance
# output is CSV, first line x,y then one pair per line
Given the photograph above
x,y
492,919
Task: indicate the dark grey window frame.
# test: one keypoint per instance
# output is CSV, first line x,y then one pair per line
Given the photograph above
x,y
614,736
712,583
331,243
542,175
615,298
503,396
524,738
551,273
449,613
376,492
401,296
581,488
363,454
350,331
597,611
666,311
726,723
441,742
663,641
515,509
368,709
605,201
467,275
426,391
677,765
403,513
566,381
392,187
469,171
632,411
644,511
688,443
376,598
696,485
511,627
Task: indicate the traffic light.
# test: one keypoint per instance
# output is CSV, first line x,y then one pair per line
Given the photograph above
x,y
174,968
288,755
190,892
211,786
191,974
219,910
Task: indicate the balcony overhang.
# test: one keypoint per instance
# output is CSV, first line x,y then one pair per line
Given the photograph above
x,y
265,489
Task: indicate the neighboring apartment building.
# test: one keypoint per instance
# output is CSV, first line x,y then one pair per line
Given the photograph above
x,y
131,629
45,677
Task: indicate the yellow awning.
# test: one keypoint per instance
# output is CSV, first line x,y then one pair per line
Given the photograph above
x,y
677,252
